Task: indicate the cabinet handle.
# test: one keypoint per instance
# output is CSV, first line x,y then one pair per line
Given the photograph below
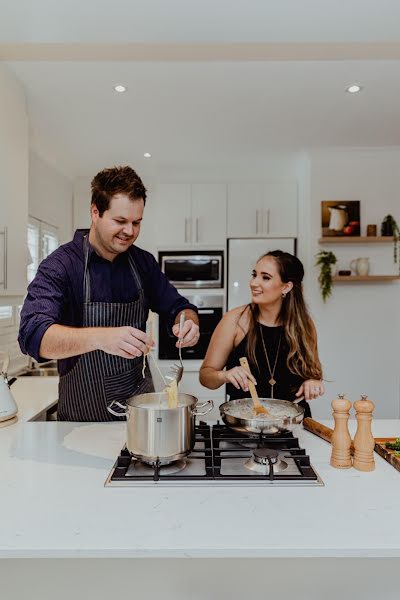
x,y
197,229
186,235
4,233
190,234
257,211
266,212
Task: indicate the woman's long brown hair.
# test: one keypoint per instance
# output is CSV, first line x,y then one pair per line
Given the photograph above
x,y
297,324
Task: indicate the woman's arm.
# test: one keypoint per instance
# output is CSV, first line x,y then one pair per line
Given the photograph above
x,y
212,374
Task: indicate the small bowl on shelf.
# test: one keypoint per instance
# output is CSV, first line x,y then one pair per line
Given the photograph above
x,y
344,273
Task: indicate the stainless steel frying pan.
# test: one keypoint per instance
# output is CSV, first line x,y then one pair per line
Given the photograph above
x,y
232,412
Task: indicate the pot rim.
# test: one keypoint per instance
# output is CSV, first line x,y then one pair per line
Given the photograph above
x,y
189,401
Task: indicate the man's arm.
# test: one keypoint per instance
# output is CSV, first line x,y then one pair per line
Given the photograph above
x,y
59,341
166,300
42,334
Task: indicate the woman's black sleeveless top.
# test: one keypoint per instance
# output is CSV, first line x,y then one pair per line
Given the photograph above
x,y
287,383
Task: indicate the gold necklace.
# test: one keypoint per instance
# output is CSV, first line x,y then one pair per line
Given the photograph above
x,y
271,381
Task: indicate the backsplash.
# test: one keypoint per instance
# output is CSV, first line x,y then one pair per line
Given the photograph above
x,y
9,326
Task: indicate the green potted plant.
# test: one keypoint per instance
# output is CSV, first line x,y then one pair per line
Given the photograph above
x,y
325,260
389,227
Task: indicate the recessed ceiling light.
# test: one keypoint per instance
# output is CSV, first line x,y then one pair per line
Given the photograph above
x,y
120,88
353,89
147,155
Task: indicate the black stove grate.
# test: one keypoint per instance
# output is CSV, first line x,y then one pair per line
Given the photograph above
x,y
210,447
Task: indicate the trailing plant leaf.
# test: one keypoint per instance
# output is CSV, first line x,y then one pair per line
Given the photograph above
x,y
325,260
389,223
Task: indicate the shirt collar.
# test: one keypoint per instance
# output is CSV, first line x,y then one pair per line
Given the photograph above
x,y
78,241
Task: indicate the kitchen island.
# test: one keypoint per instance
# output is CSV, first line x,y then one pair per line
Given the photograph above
x,y
340,540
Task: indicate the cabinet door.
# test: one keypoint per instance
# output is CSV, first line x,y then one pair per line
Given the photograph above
x,y
173,221
209,213
279,214
245,203
14,165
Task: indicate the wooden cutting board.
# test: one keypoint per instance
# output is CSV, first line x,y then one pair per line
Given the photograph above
x,y
389,455
380,443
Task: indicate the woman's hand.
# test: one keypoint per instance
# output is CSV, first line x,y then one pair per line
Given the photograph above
x,y
239,378
311,389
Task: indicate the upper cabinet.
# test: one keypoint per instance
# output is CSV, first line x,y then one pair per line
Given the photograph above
x,y
208,213
173,226
262,210
14,165
190,214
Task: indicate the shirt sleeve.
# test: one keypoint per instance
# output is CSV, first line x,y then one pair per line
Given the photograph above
x,y
43,305
163,296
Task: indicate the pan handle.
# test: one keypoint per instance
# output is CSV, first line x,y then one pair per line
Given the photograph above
x,y
116,414
201,414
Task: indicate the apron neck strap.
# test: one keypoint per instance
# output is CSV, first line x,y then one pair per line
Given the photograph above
x,y
86,277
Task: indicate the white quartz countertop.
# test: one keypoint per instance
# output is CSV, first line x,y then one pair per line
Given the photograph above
x,y
54,503
33,395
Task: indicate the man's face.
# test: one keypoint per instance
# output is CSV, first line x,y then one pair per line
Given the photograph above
x,y
119,226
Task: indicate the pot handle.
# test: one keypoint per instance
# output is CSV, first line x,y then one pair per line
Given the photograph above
x,y
201,414
116,414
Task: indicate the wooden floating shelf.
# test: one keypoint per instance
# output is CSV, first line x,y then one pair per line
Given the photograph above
x,y
356,278
356,240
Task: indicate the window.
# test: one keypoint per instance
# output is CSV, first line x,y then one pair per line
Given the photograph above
x,y
6,316
42,241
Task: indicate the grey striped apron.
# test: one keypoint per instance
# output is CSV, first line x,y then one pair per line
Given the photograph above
x,y
98,379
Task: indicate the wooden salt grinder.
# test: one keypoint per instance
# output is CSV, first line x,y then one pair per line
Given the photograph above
x,y
341,440
364,442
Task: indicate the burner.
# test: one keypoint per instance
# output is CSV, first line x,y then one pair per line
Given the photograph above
x,y
263,469
265,455
137,467
259,462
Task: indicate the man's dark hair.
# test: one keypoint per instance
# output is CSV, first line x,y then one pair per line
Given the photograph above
x,y
117,180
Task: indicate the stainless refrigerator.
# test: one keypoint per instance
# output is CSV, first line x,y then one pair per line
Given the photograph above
x,y
243,254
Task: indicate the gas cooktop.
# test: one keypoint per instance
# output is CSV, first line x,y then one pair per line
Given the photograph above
x,y
223,457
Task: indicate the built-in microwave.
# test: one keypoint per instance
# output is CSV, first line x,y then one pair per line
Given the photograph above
x,y
193,269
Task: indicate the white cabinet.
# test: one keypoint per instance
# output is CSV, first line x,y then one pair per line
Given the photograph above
x,y
173,226
208,213
14,164
262,209
245,201
190,214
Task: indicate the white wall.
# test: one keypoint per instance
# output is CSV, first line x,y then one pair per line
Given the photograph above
x,y
359,326
50,196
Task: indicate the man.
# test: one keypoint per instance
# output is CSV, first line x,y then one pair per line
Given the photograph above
x,y
89,302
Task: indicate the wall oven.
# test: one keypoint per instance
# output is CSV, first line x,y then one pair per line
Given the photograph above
x,y
210,313
193,268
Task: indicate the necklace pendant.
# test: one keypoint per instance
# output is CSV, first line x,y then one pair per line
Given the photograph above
x,y
272,381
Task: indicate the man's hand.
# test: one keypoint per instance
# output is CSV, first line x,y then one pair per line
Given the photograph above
x,y
189,335
127,342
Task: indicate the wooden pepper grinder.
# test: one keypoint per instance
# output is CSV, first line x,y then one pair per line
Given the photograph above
x,y
341,440
364,442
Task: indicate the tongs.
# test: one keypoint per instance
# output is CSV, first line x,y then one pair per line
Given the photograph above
x,y
177,370
258,407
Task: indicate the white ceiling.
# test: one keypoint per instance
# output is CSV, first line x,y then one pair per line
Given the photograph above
x,y
189,111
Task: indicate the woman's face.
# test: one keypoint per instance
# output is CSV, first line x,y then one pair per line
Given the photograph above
x,y
265,284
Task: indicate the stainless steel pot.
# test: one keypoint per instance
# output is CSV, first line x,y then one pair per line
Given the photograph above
x,y
156,433
261,425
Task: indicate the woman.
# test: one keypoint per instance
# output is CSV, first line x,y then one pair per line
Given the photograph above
x,y
276,334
